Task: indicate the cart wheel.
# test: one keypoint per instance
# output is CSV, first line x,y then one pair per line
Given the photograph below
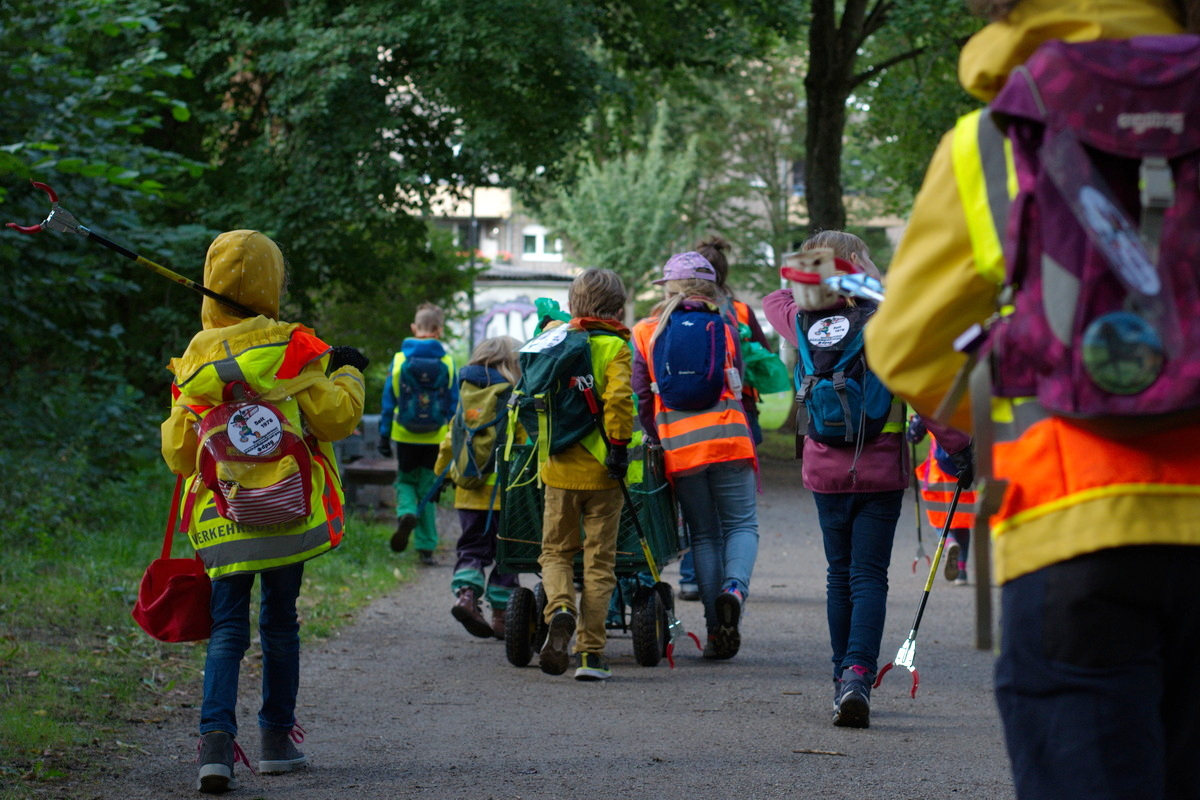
x,y
649,627
540,628
520,625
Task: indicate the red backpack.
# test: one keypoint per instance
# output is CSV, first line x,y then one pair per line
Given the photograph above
x,y
1103,241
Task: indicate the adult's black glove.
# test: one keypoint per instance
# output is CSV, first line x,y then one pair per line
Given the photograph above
x,y
916,429
617,461
964,461
346,356
385,447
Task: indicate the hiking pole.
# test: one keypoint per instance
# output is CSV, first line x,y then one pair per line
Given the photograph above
x,y
908,651
917,506
63,221
675,627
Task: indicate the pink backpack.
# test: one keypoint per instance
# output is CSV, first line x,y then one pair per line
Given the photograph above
x,y
1103,240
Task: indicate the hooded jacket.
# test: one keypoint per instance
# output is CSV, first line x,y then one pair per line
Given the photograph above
x,y
283,363
935,291
413,347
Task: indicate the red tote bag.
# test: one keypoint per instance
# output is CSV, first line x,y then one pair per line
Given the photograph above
x,y
173,603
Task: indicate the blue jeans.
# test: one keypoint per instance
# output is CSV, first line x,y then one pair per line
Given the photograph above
x,y
721,511
858,529
687,570
1094,680
279,633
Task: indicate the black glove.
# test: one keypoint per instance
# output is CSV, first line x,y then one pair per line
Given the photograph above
x,y
964,460
385,447
916,429
617,461
346,356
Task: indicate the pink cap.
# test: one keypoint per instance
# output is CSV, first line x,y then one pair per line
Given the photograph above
x,y
685,266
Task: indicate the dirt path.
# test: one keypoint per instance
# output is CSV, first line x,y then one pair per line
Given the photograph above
x,y
404,704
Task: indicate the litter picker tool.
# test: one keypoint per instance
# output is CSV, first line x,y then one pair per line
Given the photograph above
x,y
917,506
62,221
906,657
675,629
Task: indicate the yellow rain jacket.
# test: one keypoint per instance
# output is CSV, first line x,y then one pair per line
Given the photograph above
x,y
1069,493
283,364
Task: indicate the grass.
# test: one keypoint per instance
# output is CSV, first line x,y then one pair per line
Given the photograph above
x,y
77,676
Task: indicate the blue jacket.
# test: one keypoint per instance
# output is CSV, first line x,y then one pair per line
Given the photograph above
x,y
415,348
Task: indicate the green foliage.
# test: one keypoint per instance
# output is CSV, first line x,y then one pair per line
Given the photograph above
x,y
627,213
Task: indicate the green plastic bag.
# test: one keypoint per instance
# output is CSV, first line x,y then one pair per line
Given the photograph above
x,y
765,371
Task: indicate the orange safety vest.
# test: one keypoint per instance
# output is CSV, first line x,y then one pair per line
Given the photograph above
x,y
694,439
937,490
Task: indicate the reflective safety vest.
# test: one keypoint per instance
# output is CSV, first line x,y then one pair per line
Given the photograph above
x,y
694,439
1066,491
937,490
272,372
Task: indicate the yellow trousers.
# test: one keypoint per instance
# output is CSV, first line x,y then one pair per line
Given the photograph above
x,y
599,511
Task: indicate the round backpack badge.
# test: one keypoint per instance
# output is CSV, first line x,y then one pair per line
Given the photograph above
x,y
829,331
255,430
1122,353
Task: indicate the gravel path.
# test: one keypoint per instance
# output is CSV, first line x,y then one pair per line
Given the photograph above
x,y
405,704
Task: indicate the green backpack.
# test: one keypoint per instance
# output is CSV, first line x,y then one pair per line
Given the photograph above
x,y
549,402
476,431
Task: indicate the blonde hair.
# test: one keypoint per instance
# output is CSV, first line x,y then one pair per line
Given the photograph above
x,y
499,353
843,244
429,318
677,292
597,293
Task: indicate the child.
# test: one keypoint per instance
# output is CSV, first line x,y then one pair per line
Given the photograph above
x,y
421,392
582,486
858,487
938,476
484,388
283,364
709,455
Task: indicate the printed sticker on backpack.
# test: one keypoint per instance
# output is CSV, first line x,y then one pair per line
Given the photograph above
x,y
255,463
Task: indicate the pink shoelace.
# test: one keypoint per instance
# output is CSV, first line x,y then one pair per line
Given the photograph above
x,y
238,753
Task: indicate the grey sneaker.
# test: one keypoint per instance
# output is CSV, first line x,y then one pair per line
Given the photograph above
x,y
853,707
279,752
727,640
554,657
950,570
216,763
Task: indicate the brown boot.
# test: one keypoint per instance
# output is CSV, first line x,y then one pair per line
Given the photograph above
x,y
466,610
498,623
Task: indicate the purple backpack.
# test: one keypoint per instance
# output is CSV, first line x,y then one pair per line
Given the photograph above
x,y
1103,240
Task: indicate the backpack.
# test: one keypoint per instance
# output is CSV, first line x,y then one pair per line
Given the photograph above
x,y
1103,245
845,402
424,401
475,432
548,399
254,461
690,359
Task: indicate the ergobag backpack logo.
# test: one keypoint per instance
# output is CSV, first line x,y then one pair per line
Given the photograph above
x,y
423,404
1104,247
547,399
255,462
689,359
844,402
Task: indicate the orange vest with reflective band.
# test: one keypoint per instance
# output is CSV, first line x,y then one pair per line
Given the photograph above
x,y
937,490
695,439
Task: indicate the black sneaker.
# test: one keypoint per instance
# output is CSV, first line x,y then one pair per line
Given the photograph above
x,y
726,638
405,525
554,657
592,667
279,751
853,707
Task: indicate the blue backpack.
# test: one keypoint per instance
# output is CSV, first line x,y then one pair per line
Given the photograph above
x,y
845,402
424,403
689,359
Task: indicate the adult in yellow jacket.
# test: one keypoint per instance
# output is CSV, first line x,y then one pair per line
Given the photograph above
x,y
1097,540
320,392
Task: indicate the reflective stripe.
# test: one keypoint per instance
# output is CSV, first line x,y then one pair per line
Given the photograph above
x,y
704,434
229,370
265,552
987,184
667,416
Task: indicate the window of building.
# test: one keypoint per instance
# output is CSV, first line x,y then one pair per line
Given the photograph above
x,y
538,245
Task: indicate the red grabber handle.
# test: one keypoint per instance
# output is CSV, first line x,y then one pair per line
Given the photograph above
x,y
916,678
35,228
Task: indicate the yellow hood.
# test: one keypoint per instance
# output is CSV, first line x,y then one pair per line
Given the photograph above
x,y
246,267
990,55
